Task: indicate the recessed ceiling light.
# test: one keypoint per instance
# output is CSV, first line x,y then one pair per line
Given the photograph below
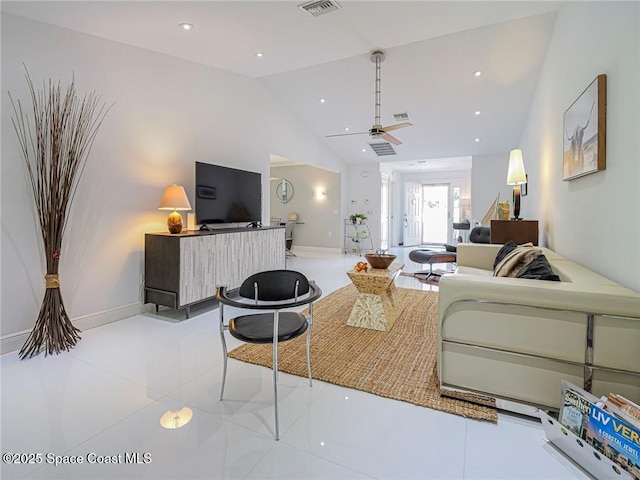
x,y
322,100
346,129
477,140
259,54
364,149
477,112
477,73
186,26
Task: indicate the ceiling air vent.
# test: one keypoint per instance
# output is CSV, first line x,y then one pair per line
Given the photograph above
x,y
382,148
320,7
401,117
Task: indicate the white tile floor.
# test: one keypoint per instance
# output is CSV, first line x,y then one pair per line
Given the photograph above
x,y
106,397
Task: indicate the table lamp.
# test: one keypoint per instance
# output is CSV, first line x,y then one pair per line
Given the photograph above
x,y
174,198
464,204
516,176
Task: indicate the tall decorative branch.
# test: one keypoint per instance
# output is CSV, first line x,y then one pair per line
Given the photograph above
x,y
55,142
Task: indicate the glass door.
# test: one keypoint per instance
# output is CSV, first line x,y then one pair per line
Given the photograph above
x,y
435,214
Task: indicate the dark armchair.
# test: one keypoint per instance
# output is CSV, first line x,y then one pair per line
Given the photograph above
x,y
480,234
288,232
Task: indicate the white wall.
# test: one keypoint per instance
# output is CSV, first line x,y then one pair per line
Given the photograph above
x,y
395,203
320,220
363,196
594,219
167,114
489,174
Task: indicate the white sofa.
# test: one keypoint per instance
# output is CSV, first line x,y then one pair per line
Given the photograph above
x,y
515,339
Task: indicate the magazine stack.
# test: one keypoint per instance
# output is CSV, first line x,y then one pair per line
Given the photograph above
x,y
600,434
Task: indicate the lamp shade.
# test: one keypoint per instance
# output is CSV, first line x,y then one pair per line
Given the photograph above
x,y
174,198
464,202
516,174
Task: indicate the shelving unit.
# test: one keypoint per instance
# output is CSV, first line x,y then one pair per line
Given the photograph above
x,y
357,237
461,232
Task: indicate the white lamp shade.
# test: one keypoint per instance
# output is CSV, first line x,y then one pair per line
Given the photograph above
x,y
174,198
464,202
516,174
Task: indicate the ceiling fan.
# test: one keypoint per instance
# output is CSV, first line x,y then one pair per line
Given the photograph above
x,y
378,131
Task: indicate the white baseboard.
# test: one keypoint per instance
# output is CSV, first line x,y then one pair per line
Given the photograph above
x,y
325,250
15,341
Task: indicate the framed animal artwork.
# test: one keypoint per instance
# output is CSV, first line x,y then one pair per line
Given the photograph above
x,y
585,128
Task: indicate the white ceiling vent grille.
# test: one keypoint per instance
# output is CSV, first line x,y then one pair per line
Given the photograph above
x,y
401,117
320,7
382,148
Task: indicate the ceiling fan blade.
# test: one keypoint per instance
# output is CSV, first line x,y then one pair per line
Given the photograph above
x,y
391,139
396,126
345,134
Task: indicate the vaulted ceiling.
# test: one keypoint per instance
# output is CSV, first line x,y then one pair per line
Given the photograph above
x,y
432,49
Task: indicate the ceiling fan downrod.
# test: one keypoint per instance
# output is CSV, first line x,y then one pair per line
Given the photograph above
x,y
377,131
377,57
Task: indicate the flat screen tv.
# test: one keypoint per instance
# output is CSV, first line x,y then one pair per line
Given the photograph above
x,y
227,195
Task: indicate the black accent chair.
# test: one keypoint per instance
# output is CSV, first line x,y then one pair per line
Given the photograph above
x,y
292,219
273,291
288,237
480,234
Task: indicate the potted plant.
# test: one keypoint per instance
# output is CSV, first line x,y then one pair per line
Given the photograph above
x,y
358,218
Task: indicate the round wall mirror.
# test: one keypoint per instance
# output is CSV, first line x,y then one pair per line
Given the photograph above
x,y
284,191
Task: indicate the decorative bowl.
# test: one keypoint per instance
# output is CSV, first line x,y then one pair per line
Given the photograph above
x,y
380,260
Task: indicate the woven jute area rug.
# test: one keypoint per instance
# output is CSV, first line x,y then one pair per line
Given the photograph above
x,y
399,364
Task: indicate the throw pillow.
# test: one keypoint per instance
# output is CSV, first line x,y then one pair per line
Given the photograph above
x,y
506,249
514,261
539,269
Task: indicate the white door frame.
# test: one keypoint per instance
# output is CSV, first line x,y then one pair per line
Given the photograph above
x,y
385,205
